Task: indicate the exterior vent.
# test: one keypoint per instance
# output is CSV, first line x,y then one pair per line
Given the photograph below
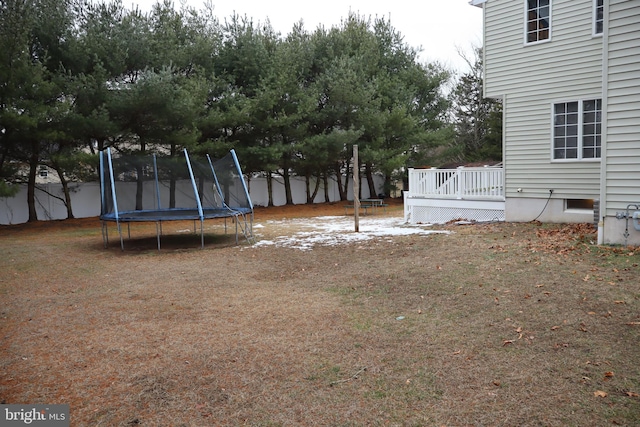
x,y
596,212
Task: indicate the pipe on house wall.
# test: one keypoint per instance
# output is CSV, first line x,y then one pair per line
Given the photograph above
x,y
601,231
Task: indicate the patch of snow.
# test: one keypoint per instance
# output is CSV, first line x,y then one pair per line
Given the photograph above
x,y
336,230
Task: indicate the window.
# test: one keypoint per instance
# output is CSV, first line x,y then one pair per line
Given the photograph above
x,y
577,130
538,24
591,128
598,16
579,204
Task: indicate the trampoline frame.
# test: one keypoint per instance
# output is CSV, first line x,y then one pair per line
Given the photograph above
x,y
243,217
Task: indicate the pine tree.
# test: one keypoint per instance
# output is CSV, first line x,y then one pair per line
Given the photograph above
x,y
478,120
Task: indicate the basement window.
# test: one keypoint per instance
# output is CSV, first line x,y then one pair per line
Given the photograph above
x,y
579,204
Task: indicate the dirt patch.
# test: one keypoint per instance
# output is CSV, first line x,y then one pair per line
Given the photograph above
x,y
494,324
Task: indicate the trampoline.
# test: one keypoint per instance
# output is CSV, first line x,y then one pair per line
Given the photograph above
x,y
157,188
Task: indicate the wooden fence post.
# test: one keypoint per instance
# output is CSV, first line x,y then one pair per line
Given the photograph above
x,y
356,189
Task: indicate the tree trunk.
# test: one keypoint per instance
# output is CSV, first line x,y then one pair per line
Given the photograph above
x,y
269,188
172,180
65,192
139,187
140,179
307,190
387,185
31,184
287,181
342,187
325,179
172,192
369,174
311,196
3,154
287,186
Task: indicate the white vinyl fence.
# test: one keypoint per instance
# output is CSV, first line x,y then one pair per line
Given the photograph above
x,y
85,198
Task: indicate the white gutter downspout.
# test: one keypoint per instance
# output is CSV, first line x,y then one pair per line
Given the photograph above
x,y
605,122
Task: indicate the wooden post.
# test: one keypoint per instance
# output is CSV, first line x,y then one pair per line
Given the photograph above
x,y
356,189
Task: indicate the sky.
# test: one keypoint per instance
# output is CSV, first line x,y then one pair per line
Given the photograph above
x,y
440,27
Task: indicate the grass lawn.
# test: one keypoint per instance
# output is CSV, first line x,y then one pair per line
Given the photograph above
x,y
484,325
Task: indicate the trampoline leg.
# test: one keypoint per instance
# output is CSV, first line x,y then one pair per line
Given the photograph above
x,y
105,234
236,220
248,226
129,231
158,229
247,229
120,233
201,233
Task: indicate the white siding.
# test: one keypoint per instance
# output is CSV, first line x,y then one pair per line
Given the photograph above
x,y
622,176
531,78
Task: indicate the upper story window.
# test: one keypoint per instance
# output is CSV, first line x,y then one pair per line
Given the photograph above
x,y
577,130
598,16
537,18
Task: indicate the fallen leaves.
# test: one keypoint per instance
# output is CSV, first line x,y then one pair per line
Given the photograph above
x,y
562,240
603,394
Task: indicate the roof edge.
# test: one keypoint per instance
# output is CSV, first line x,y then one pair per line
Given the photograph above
x,y
478,3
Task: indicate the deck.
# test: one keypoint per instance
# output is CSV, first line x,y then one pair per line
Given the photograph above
x,y
443,195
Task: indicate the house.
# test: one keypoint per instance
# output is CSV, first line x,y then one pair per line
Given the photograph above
x,y
568,74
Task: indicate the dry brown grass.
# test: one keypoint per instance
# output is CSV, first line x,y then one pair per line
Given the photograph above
x,y
501,325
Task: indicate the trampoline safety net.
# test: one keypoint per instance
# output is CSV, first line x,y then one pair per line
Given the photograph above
x,y
160,188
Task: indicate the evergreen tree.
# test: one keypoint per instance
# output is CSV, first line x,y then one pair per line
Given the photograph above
x,y
35,36
478,120
79,76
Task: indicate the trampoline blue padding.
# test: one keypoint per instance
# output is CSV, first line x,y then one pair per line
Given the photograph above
x,y
158,188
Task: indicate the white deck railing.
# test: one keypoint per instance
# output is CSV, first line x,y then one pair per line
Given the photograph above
x,y
485,183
